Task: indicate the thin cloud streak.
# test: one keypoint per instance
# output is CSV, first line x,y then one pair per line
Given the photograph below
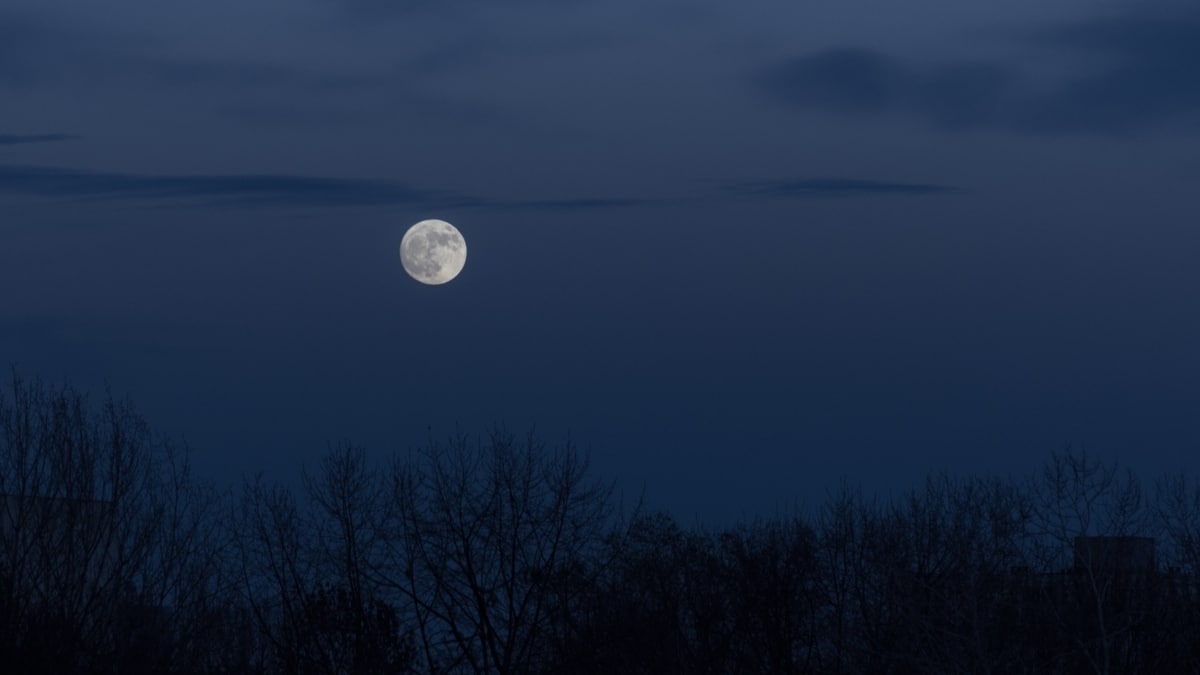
x,y
256,190
21,139
568,204
312,191
833,187
217,190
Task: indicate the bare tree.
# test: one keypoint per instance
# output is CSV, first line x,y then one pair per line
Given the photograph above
x,y
772,584
478,534
660,603
1177,509
349,505
1077,497
961,543
861,582
304,574
276,574
106,550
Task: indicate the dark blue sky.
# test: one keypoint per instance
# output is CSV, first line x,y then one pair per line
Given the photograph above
x,y
739,250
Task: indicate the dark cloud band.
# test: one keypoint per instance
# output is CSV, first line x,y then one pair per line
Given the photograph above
x,y
833,187
232,189
307,191
256,190
20,139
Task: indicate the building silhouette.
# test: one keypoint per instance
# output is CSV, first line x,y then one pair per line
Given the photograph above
x,y
1114,555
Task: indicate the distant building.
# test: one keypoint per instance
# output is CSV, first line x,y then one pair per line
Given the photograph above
x,y
1109,555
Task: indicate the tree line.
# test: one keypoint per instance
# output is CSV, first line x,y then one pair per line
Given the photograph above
x,y
503,555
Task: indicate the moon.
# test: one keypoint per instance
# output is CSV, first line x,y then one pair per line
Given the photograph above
x,y
433,252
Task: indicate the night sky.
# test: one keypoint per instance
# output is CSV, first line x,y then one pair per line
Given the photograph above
x,y
740,250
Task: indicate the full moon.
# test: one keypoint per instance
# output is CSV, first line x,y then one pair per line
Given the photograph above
x,y
433,252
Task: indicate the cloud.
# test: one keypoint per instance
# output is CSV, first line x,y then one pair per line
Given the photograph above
x,y
18,139
844,80
1148,74
551,204
312,191
953,95
1133,73
377,9
36,50
243,190
177,72
258,190
833,187
41,52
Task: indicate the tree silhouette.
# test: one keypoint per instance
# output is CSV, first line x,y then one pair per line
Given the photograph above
x,y
477,532
108,552
502,556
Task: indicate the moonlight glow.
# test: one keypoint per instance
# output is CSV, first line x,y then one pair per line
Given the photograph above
x,y
433,252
